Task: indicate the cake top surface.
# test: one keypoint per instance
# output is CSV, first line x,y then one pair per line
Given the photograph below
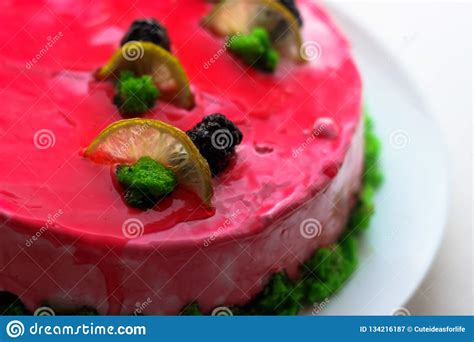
x,y
53,108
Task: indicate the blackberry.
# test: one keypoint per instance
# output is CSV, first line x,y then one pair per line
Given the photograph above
x,y
291,6
216,137
148,30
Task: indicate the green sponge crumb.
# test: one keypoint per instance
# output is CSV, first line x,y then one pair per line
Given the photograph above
x,y
247,47
262,36
135,95
280,297
255,50
329,268
372,180
269,61
145,182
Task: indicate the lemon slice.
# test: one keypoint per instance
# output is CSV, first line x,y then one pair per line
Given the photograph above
x,y
146,58
126,141
231,17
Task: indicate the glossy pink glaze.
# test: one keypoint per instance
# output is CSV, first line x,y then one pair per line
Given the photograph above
x,y
284,173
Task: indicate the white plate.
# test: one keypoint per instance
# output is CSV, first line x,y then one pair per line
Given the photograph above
x,y
406,231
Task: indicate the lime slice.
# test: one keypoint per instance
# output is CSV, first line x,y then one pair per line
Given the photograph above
x,y
231,17
126,141
145,58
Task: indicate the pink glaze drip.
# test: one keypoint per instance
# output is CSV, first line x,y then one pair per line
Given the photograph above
x,y
264,190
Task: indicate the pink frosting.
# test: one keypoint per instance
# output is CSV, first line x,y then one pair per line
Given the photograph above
x,y
283,175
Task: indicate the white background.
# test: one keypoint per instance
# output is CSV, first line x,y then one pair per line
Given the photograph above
x,y
434,41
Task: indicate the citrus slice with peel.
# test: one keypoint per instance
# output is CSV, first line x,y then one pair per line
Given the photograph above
x,y
146,58
126,141
231,17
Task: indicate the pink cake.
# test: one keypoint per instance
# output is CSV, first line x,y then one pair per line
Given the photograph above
x,y
68,238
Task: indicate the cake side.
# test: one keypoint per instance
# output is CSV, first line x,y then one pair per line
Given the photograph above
x,y
285,173
231,273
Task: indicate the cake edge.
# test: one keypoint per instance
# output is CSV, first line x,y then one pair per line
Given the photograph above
x,y
325,272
